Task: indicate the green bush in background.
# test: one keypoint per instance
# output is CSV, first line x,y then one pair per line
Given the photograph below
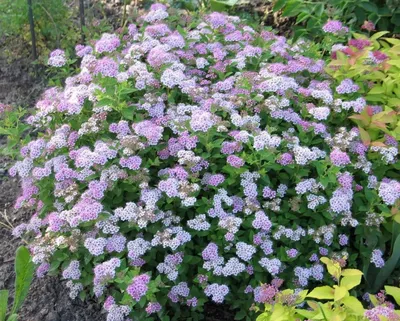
x,y
311,15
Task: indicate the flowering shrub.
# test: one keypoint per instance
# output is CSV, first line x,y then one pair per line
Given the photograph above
x,y
180,166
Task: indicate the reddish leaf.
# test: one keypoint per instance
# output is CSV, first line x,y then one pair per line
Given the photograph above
x,y
378,124
378,144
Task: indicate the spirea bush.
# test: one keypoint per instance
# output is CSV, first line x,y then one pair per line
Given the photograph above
x,y
191,165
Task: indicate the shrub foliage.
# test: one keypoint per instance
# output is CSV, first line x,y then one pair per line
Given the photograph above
x,y
180,166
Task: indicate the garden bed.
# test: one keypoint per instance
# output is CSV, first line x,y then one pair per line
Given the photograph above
x,y
126,221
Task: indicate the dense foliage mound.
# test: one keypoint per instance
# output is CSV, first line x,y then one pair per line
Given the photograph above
x,y
180,166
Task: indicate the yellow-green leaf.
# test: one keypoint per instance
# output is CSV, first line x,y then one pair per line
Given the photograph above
x,y
350,282
340,293
393,41
376,90
394,292
373,300
301,296
353,304
366,139
322,292
263,317
332,267
351,272
378,35
337,317
305,313
359,35
394,102
395,63
375,98
313,305
279,313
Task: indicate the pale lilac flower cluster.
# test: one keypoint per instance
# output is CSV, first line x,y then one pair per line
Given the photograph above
x,y
376,258
217,292
72,272
335,27
347,86
57,58
138,287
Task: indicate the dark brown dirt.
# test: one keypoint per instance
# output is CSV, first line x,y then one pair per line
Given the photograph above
x,y
20,81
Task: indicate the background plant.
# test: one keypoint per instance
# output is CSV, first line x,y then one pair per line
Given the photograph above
x,y
56,25
312,15
14,129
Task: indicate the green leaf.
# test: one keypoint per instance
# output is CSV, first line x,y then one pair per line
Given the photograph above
x,y
279,5
292,9
390,265
24,269
3,304
368,6
395,233
128,113
240,315
13,317
221,5
302,16
319,9
126,91
394,292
